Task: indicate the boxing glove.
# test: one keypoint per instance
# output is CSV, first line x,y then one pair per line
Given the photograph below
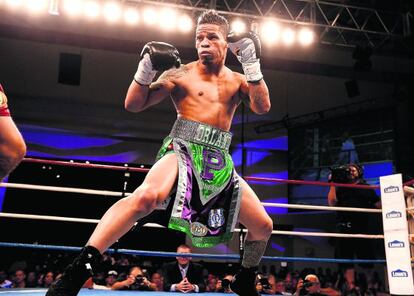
x,y
247,48
154,57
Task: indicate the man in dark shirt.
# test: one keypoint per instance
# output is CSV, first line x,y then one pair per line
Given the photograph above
x,y
183,275
354,222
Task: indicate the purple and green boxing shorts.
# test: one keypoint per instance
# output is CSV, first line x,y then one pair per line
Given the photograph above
x,y
206,202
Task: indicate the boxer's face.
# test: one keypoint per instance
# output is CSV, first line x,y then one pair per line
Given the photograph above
x,y
211,44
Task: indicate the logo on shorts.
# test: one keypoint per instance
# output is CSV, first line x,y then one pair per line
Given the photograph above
x,y
391,189
399,273
396,244
213,137
198,229
393,214
216,218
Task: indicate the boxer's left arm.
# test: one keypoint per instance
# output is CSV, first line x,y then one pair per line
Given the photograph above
x,y
155,56
257,95
247,49
155,92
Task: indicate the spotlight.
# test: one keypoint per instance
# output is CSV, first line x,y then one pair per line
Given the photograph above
x,y
91,9
270,32
306,36
238,26
288,36
36,6
112,12
185,23
150,16
168,19
131,16
73,7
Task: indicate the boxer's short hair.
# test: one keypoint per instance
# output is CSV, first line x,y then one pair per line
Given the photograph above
x,y
212,17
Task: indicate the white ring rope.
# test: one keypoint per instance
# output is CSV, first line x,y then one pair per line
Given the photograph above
x,y
323,208
120,194
280,232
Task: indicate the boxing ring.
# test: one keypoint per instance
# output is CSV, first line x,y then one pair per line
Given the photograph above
x,y
125,169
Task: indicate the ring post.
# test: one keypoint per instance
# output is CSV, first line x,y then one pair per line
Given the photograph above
x,y
396,235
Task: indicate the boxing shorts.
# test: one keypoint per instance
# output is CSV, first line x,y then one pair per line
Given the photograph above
x,y
206,202
4,110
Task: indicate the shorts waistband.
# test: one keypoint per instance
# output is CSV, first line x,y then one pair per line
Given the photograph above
x,y
201,133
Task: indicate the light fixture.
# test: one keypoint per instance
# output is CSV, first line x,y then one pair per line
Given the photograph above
x,y
131,16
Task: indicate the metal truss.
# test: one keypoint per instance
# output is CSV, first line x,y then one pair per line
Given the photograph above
x,y
333,22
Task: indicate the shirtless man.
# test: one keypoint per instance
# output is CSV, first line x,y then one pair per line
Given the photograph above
x,y
194,163
12,146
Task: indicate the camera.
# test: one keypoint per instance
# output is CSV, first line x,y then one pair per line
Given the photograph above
x,y
139,279
341,174
307,284
265,283
225,283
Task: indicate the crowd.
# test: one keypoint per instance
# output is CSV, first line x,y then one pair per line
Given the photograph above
x,y
128,272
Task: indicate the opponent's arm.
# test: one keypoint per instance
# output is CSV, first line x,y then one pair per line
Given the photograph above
x,y
155,56
247,49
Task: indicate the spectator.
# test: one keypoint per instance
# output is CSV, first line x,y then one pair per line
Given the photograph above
x,y
211,284
312,286
223,285
19,280
348,152
290,283
184,275
158,280
32,280
346,284
136,280
263,285
110,280
48,279
279,287
4,282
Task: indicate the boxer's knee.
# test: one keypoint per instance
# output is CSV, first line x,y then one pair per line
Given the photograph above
x,y
20,150
265,227
10,159
144,199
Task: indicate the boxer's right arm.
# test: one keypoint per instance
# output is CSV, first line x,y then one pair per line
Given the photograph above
x,y
155,56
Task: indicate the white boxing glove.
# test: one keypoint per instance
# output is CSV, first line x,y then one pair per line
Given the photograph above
x,y
247,48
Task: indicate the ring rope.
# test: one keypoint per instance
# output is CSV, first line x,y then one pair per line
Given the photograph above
x,y
121,194
304,182
323,208
192,255
87,164
280,232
